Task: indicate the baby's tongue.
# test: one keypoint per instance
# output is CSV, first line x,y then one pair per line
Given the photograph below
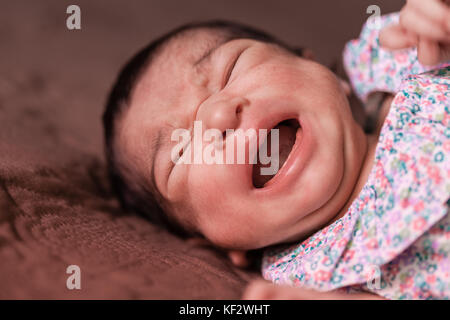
x,y
287,135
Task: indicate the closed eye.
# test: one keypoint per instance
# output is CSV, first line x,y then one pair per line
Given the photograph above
x,y
225,82
231,68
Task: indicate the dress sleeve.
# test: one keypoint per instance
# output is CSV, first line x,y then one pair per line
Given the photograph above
x,y
372,68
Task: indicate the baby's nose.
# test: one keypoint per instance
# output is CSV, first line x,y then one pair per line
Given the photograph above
x,y
224,114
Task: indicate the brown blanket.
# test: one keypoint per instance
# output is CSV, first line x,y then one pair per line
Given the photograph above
x,y
56,207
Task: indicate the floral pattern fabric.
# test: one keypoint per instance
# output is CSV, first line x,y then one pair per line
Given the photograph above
x,y
396,233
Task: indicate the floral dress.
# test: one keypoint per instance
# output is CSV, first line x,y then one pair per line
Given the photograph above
x,y
394,240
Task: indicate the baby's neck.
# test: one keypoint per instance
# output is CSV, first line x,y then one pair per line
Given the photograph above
x,y
364,174
372,141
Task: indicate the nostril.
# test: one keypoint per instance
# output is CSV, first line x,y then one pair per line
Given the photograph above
x,y
238,110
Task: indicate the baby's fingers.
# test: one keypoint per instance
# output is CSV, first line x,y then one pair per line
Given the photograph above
x,y
396,37
435,10
264,290
431,53
428,52
420,24
239,258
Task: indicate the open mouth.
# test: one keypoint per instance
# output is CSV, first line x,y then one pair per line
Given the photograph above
x,y
289,134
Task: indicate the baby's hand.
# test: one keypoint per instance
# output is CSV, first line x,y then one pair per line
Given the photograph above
x,y
264,290
424,24
239,258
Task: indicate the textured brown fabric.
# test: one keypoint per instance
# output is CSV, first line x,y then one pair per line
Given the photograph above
x,y
56,208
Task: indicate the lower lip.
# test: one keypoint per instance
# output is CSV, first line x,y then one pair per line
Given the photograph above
x,y
294,164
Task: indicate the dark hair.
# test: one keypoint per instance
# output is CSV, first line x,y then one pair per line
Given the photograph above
x,y
133,193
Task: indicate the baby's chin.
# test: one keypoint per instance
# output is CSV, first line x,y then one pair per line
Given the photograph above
x,y
330,204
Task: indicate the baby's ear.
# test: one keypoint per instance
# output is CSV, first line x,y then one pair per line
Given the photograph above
x,y
308,54
305,53
345,86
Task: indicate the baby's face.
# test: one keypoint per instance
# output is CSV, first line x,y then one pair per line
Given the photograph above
x,y
245,84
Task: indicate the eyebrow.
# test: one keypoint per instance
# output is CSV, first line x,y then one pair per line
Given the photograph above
x,y
207,55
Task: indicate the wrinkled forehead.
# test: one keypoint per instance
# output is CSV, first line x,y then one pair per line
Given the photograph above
x,y
178,56
171,70
190,45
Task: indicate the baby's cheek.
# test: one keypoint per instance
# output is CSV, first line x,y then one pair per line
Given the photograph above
x,y
205,188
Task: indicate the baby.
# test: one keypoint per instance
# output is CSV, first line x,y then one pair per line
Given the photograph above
x,y
353,200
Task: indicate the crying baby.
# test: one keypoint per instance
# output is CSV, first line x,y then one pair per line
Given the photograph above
x,y
222,131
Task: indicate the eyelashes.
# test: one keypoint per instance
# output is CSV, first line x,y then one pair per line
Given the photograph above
x,y
231,68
